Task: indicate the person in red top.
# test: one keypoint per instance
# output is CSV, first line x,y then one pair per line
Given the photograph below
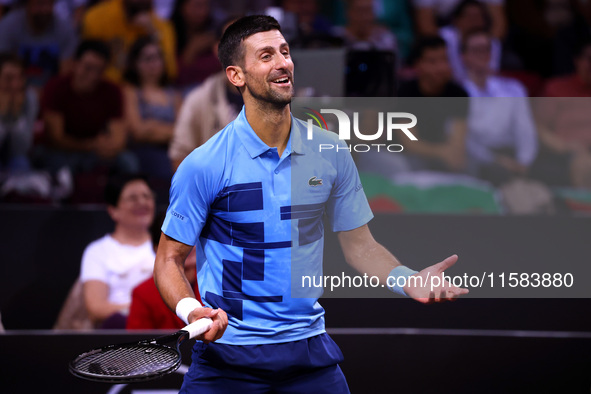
x,y
564,126
577,84
148,310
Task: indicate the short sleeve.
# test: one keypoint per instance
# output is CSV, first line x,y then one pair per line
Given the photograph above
x,y
347,207
93,264
190,197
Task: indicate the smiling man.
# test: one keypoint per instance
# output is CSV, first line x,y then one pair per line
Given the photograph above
x,y
252,200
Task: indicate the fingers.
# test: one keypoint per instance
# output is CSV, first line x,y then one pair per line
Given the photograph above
x,y
217,329
445,264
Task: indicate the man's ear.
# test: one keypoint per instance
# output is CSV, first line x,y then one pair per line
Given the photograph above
x,y
235,76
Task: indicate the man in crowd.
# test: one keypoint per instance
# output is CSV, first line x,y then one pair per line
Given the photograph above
x,y
83,116
45,41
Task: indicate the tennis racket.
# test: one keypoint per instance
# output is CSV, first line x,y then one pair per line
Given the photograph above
x,y
138,361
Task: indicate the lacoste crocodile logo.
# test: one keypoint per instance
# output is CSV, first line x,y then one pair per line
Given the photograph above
x,y
314,182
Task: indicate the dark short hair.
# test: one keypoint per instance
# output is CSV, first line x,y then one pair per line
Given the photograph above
x,y
472,33
230,49
116,184
94,46
422,45
131,74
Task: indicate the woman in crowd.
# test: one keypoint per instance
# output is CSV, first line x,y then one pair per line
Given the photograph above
x,y
114,264
18,111
195,26
151,107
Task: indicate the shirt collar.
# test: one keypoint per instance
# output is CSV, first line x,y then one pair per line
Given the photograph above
x,y
256,147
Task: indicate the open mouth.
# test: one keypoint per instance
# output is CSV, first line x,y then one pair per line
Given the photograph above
x,y
281,81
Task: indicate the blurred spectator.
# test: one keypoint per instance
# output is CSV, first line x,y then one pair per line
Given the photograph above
x,y
206,110
114,264
362,30
431,14
72,10
44,40
148,310
18,110
196,27
313,29
502,141
120,23
394,15
468,16
441,132
83,117
579,83
544,34
151,107
564,123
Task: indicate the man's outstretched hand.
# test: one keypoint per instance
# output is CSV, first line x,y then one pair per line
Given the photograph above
x,y
429,287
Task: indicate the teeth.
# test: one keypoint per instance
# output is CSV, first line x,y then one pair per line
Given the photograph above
x,y
282,80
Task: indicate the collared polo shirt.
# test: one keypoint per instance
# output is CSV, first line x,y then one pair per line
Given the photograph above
x,y
256,219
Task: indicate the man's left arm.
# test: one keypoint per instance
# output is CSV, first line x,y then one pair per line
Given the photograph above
x,y
368,256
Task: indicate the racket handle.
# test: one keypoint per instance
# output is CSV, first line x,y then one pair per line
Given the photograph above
x,y
198,327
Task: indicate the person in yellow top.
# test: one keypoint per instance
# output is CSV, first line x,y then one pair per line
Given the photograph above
x,y
119,23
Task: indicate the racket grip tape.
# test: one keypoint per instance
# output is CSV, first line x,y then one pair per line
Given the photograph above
x,y
198,327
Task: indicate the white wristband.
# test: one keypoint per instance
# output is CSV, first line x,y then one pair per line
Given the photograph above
x,y
185,307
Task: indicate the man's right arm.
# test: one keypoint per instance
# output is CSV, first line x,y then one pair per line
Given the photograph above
x,y
170,279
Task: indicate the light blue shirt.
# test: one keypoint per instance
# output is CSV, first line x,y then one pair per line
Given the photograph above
x,y
257,221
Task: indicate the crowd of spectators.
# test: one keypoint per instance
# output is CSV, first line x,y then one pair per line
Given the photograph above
x,y
90,88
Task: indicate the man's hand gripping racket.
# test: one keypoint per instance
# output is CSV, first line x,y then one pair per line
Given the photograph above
x,y
148,359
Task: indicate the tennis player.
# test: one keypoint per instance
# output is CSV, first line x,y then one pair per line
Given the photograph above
x,y
252,200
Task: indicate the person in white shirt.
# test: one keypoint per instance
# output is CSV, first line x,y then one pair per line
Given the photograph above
x,y
502,139
470,15
114,264
429,14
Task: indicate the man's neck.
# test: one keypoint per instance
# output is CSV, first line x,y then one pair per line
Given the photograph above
x,y
478,78
271,124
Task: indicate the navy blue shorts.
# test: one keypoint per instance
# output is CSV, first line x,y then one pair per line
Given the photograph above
x,y
305,366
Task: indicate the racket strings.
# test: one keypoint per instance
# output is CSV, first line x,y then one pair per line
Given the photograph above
x,y
127,361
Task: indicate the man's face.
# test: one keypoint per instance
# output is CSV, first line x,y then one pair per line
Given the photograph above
x,y
88,70
196,12
434,66
477,53
583,65
12,79
268,68
361,13
40,12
